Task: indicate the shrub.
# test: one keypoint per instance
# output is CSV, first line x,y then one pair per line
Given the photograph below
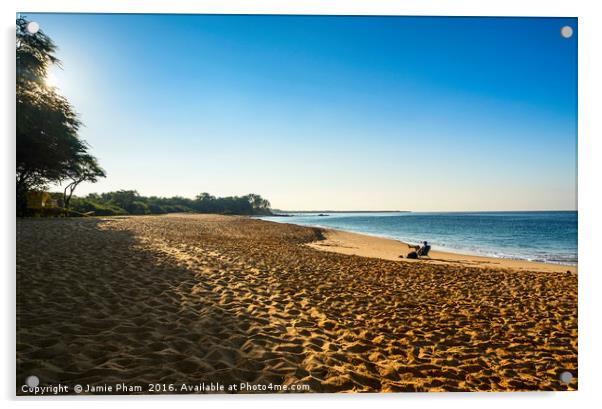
x,y
99,209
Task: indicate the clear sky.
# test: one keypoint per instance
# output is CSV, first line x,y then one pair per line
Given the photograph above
x,y
373,113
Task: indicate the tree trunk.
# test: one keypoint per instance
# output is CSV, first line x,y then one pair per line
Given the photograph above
x,y
67,196
21,196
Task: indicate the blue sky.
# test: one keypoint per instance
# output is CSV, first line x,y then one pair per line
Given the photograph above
x,y
410,113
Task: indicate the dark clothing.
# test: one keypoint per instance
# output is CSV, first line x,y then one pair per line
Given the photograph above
x,y
423,251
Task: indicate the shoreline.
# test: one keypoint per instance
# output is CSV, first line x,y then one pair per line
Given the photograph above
x,y
366,245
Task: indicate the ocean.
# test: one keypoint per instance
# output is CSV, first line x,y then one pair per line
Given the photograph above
x,y
544,236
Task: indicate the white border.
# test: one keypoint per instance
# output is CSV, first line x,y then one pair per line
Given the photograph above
x,y
590,154
357,7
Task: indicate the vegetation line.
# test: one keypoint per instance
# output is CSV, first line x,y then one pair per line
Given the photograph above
x,y
130,202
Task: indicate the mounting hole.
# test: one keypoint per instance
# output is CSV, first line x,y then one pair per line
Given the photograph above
x,y
566,377
33,27
566,31
32,381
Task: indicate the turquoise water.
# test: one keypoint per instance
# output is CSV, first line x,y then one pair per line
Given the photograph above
x,y
549,237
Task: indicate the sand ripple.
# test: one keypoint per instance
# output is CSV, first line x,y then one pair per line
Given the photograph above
x,y
201,298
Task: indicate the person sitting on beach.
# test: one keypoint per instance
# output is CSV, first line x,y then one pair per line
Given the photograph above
x,y
424,249
420,251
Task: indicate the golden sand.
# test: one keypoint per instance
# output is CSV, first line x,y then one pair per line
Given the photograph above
x,y
203,298
388,249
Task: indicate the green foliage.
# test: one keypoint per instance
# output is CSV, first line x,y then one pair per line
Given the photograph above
x,y
86,205
130,202
121,198
138,207
250,204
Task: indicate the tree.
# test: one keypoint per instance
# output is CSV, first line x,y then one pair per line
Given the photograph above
x,y
255,200
265,204
47,141
205,203
122,198
259,204
84,169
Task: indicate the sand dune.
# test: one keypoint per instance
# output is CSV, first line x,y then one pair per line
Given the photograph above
x,y
203,298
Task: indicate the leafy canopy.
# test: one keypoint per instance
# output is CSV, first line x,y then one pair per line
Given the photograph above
x,y
48,147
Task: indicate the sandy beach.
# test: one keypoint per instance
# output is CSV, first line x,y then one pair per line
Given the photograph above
x,y
195,299
388,249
